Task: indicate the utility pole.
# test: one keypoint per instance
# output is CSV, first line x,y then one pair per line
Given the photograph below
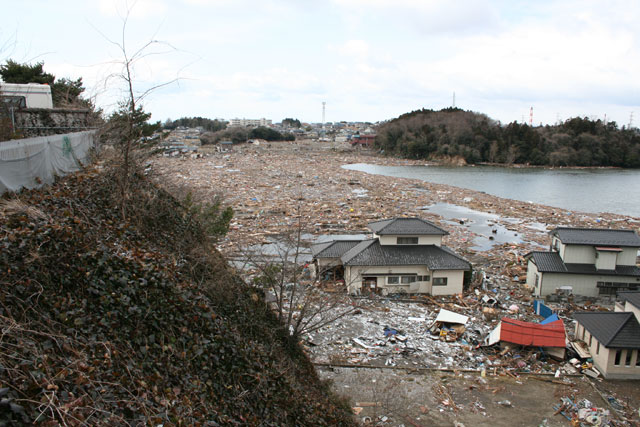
x,y
531,117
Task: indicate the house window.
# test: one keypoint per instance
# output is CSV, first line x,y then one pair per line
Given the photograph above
x,y
637,358
606,288
393,280
590,336
598,348
424,278
582,333
407,241
616,362
439,281
611,288
408,279
627,359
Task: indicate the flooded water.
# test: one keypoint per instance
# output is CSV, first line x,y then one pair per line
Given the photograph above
x,y
584,190
486,229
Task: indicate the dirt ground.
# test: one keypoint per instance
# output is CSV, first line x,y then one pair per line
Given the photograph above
x,y
271,186
416,399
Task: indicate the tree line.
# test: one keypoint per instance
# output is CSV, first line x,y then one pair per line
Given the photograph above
x,y
193,122
476,138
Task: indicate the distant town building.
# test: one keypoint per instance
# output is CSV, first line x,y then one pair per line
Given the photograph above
x,y
363,140
250,122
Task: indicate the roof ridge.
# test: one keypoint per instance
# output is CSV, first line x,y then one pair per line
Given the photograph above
x,y
622,325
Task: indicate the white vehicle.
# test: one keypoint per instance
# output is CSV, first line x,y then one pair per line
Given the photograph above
x,y
35,95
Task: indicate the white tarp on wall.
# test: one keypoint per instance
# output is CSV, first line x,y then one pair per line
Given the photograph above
x,y
35,161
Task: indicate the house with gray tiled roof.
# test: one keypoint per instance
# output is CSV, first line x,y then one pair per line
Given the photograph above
x,y
613,338
403,255
587,261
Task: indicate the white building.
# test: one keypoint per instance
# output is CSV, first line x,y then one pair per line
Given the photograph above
x,y
589,262
405,255
250,122
613,339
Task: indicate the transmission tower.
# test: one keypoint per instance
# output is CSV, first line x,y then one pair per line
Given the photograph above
x,y
531,117
630,120
454,100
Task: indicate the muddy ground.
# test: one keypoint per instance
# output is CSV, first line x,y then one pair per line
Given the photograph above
x,y
273,186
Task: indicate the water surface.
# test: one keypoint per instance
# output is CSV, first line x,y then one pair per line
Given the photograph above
x,y
584,190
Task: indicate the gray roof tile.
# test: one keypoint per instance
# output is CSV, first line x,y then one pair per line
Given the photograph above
x,y
371,253
596,236
632,296
406,226
550,262
332,249
613,330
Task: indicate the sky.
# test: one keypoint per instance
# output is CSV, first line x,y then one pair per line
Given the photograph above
x,y
369,60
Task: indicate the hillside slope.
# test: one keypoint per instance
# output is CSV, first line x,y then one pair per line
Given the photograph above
x,y
474,137
111,322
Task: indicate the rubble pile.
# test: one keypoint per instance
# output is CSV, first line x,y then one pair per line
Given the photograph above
x,y
407,333
271,186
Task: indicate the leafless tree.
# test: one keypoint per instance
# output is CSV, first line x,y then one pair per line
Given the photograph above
x,y
300,301
124,128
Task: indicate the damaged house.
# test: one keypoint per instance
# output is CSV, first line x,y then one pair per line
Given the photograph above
x,y
587,262
613,338
404,255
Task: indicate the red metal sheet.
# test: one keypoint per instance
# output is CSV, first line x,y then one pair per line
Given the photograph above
x,y
533,334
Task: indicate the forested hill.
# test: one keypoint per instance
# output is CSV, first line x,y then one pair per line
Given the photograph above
x,y
454,133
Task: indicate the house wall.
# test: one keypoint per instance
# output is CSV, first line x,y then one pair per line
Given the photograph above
x,y
354,275
532,270
583,254
628,307
628,256
422,240
579,254
621,371
606,260
582,284
455,280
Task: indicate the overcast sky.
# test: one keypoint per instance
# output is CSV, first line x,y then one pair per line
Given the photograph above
x,y
369,60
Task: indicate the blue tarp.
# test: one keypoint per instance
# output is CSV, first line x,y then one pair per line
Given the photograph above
x,y
550,319
541,309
